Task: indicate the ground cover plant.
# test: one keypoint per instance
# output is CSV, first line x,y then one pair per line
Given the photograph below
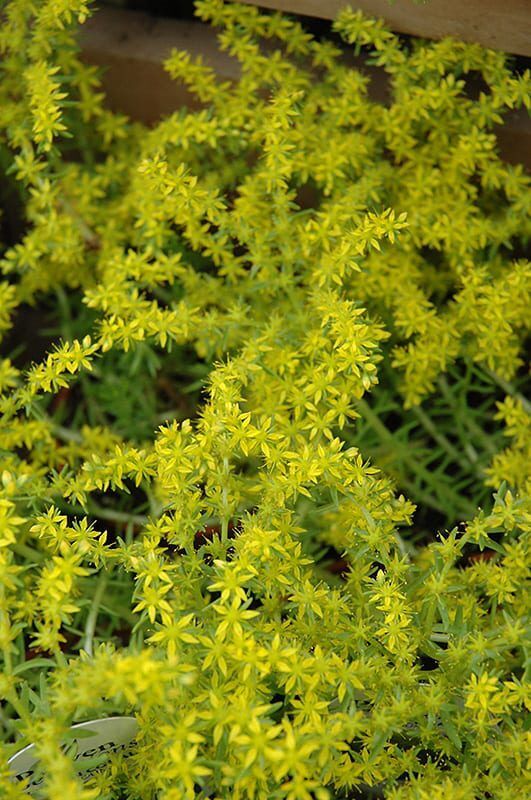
x,y
264,441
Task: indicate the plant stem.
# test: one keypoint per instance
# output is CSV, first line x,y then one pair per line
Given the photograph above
x,y
474,429
95,510
95,414
459,506
28,552
116,516
65,434
439,637
90,626
441,440
225,518
508,388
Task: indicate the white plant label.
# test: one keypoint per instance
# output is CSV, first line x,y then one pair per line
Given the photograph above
x,y
90,745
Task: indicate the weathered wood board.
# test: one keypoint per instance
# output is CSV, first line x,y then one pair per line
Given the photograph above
x,y
131,46
501,24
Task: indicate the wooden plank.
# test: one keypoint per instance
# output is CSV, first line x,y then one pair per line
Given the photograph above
x,y
131,47
501,24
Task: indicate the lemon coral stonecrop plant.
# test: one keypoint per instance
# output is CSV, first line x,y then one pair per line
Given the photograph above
x,y
264,440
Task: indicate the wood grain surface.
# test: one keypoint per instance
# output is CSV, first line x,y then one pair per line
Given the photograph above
x,y
501,24
130,47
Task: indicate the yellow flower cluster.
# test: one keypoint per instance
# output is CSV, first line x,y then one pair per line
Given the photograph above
x,y
242,578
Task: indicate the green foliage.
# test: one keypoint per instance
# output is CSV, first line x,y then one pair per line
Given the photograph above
x,y
284,329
